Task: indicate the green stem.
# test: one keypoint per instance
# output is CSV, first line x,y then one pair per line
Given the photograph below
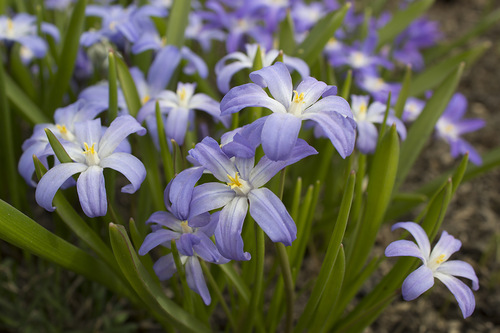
x,y
289,287
188,301
259,277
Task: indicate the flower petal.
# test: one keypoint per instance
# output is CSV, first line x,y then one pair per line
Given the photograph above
x,y
165,267
117,131
462,293
165,219
366,140
459,268
210,196
404,248
196,280
331,104
248,95
52,180
92,192
156,238
181,191
228,232
447,245
279,135
418,233
225,74
162,68
209,154
277,78
271,215
418,282
129,166
177,123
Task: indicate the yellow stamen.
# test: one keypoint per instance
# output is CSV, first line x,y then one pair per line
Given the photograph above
x,y
112,26
298,98
449,128
62,129
185,228
440,259
362,109
10,24
182,93
234,182
145,99
164,41
89,150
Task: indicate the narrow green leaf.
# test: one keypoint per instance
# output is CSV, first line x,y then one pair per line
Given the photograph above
x,y
257,61
330,257
382,177
330,296
149,291
287,34
128,87
166,156
401,20
403,94
237,281
21,73
113,88
437,210
67,57
434,75
178,20
57,147
137,240
21,231
422,128
315,42
23,103
153,178
296,199
346,88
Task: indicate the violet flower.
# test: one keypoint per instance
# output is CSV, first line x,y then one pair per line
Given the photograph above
x,y
412,109
94,152
225,71
451,126
290,107
191,233
435,265
372,83
240,187
366,116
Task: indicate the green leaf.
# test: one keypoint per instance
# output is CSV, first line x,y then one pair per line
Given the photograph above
x,y
21,73
401,20
178,20
23,103
346,88
21,231
67,57
113,88
128,87
145,286
382,177
310,49
237,281
58,148
331,255
434,75
287,35
423,126
166,157
436,210
403,94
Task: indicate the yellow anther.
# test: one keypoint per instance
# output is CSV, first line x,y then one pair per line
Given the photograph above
x,y
112,26
185,228
181,93
298,98
440,259
10,24
89,150
234,182
62,129
145,99
164,41
449,128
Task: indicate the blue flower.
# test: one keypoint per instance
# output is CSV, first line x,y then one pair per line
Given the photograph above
x,y
240,184
435,265
94,152
280,130
451,126
191,233
225,71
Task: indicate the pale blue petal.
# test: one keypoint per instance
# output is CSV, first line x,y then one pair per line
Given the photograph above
x,y
463,294
52,181
366,140
163,67
312,89
277,78
92,192
459,268
156,238
181,191
165,267
226,73
228,232
206,249
248,95
418,233
447,245
279,135
209,196
209,154
205,103
404,248
418,282
271,215
196,280
89,131
165,219
297,64
186,242
35,44
118,130
176,124
331,104
129,166
195,63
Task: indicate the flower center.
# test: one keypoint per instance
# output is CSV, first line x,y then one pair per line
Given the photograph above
x,y
112,26
358,59
297,103
65,134
10,27
90,154
362,112
183,97
238,185
185,228
145,99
